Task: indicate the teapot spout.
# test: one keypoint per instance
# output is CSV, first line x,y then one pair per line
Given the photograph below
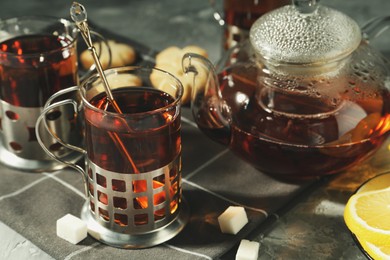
x,y
373,33
375,27
210,111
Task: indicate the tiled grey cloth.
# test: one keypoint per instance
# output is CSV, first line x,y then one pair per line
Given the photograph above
x,y
213,179
31,203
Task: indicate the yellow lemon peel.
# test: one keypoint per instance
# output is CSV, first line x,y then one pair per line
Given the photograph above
x,y
367,215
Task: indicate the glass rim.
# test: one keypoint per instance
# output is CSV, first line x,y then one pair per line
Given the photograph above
x,y
92,78
44,18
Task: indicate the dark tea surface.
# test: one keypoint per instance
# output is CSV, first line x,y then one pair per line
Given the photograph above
x,y
150,137
34,44
312,136
33,67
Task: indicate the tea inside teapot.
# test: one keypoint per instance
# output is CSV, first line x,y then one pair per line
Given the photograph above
x,y
288,111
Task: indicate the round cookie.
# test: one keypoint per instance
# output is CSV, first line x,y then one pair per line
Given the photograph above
x,y
195,49
187,80
170,60
171,54
121,55
123,80
115,81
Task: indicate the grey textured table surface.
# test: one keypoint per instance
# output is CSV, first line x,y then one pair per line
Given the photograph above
x,y
312,226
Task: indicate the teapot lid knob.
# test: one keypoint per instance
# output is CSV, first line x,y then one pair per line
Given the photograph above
x,y
305,6
304,33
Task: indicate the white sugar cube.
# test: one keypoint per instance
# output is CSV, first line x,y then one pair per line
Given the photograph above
x,y
232,220
248,250
71,228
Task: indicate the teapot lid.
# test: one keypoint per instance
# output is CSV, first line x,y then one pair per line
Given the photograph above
x,y
304,33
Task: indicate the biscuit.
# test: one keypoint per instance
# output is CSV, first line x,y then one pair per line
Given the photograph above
x,y
123,80
171,54
160,82
170,60
114,81
195,49
121,55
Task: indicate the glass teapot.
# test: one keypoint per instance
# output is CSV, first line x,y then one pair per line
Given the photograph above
x,y
305,96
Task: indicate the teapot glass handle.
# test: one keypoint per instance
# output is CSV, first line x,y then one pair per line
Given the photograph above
x,y
42,117
206,94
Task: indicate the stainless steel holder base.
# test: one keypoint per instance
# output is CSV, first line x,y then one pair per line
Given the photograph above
x,y
19,148
140,240
11,160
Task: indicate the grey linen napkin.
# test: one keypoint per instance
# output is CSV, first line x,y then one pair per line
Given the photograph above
x,y
213,179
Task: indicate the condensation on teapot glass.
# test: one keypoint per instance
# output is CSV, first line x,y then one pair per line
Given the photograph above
x,y
305,96
304,33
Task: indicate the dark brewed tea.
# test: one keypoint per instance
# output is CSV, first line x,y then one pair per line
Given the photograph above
x,y
152,143
239,16
297,135
244,13
141,141
33,67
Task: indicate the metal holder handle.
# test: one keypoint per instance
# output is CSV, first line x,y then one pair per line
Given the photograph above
x,y
49,108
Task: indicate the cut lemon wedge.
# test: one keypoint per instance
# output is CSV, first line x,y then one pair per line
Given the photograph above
x,y
376,252
381,181
367,215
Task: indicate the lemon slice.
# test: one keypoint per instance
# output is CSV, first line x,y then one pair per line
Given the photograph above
x,y
376,252
381,181
367,215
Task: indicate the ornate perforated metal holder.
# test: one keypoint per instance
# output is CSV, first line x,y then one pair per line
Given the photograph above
x,y
132,175
27,81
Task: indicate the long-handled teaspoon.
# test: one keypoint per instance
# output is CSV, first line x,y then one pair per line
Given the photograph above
x,y
79,16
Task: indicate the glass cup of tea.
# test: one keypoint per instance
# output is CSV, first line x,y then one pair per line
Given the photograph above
x,y
132,170
38,57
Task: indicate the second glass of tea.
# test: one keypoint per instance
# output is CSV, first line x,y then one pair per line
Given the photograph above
x,y
38,57
132,159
